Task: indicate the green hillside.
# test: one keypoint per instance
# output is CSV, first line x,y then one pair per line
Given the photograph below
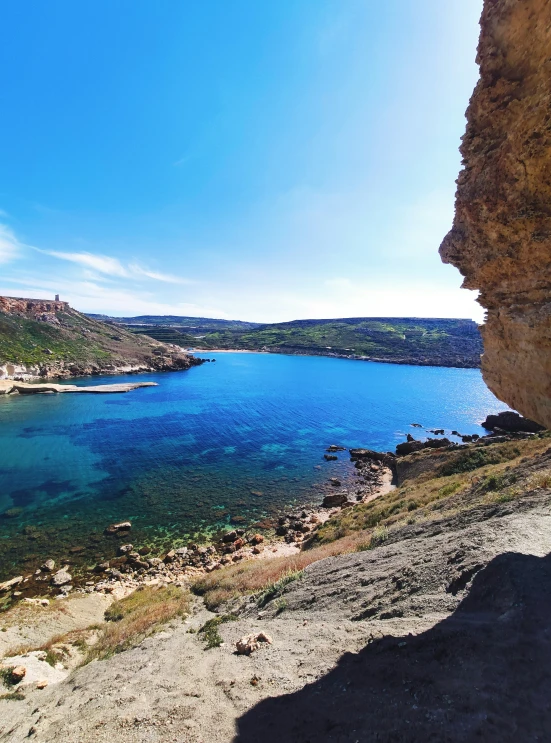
x,y
41,334
426,341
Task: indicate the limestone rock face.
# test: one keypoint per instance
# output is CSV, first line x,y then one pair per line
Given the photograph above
x,y
501,235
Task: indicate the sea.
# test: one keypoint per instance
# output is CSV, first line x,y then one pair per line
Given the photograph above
x,y
232,442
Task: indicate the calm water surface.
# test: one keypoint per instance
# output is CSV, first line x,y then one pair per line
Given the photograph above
x,y
192,454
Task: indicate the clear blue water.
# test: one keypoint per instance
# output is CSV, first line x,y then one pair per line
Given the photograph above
x,y
184,458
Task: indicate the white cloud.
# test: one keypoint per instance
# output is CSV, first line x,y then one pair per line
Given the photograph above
x,y
90,296
158,276
113,267
10,247
102,263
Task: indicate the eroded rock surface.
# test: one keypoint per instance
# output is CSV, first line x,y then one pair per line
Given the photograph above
x,y
501,236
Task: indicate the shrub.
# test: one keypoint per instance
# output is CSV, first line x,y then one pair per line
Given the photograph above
x,y
378,537
5,675
210,630
473,459
493,483
449,489
275,589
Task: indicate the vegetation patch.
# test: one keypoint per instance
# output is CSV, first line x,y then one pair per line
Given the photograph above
x,y
138,615
277,588
210,633
473,459
262,576
6,676
12,696
448,489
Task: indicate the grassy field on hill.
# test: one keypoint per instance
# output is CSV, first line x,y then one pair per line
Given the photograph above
x,y
430,341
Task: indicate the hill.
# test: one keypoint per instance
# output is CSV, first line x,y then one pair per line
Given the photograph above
x,y
45,338
406,340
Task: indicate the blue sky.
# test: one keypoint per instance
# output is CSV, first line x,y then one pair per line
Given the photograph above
x,y
255,159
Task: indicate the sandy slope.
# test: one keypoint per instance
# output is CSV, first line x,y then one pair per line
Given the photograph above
x,y
474,592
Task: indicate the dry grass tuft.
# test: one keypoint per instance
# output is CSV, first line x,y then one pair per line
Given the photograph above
x,y
267,577
138,615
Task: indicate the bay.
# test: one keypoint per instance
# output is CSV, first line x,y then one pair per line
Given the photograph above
x,y
227,443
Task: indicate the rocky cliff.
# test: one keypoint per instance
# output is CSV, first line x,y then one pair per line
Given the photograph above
x,y
501,236
43,338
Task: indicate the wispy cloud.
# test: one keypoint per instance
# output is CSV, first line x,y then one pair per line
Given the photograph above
x,y
90,296
113,267
101,263
10,247
158,276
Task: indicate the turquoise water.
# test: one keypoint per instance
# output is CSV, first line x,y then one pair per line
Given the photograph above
x,y
184,458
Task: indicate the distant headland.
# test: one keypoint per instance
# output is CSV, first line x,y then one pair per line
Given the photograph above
x,y
399,340
42,339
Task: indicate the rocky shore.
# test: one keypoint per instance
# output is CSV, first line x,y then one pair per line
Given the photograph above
x,y
135,565
173,359
9,387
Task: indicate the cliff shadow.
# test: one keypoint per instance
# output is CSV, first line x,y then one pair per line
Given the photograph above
x,y
482,674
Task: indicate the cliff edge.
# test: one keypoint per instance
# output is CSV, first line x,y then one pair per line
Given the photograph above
x,y
501,235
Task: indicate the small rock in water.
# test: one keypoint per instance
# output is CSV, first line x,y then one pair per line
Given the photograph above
x,y
48,566
121,526
125,549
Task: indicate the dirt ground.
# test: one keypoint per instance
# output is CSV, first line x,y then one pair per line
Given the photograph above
x,y
441,635
32,626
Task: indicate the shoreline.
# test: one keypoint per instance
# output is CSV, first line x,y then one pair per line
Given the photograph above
x,y
294,528
343,357
8,387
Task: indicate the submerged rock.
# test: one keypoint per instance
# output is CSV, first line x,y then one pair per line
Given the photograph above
x,y
116,528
